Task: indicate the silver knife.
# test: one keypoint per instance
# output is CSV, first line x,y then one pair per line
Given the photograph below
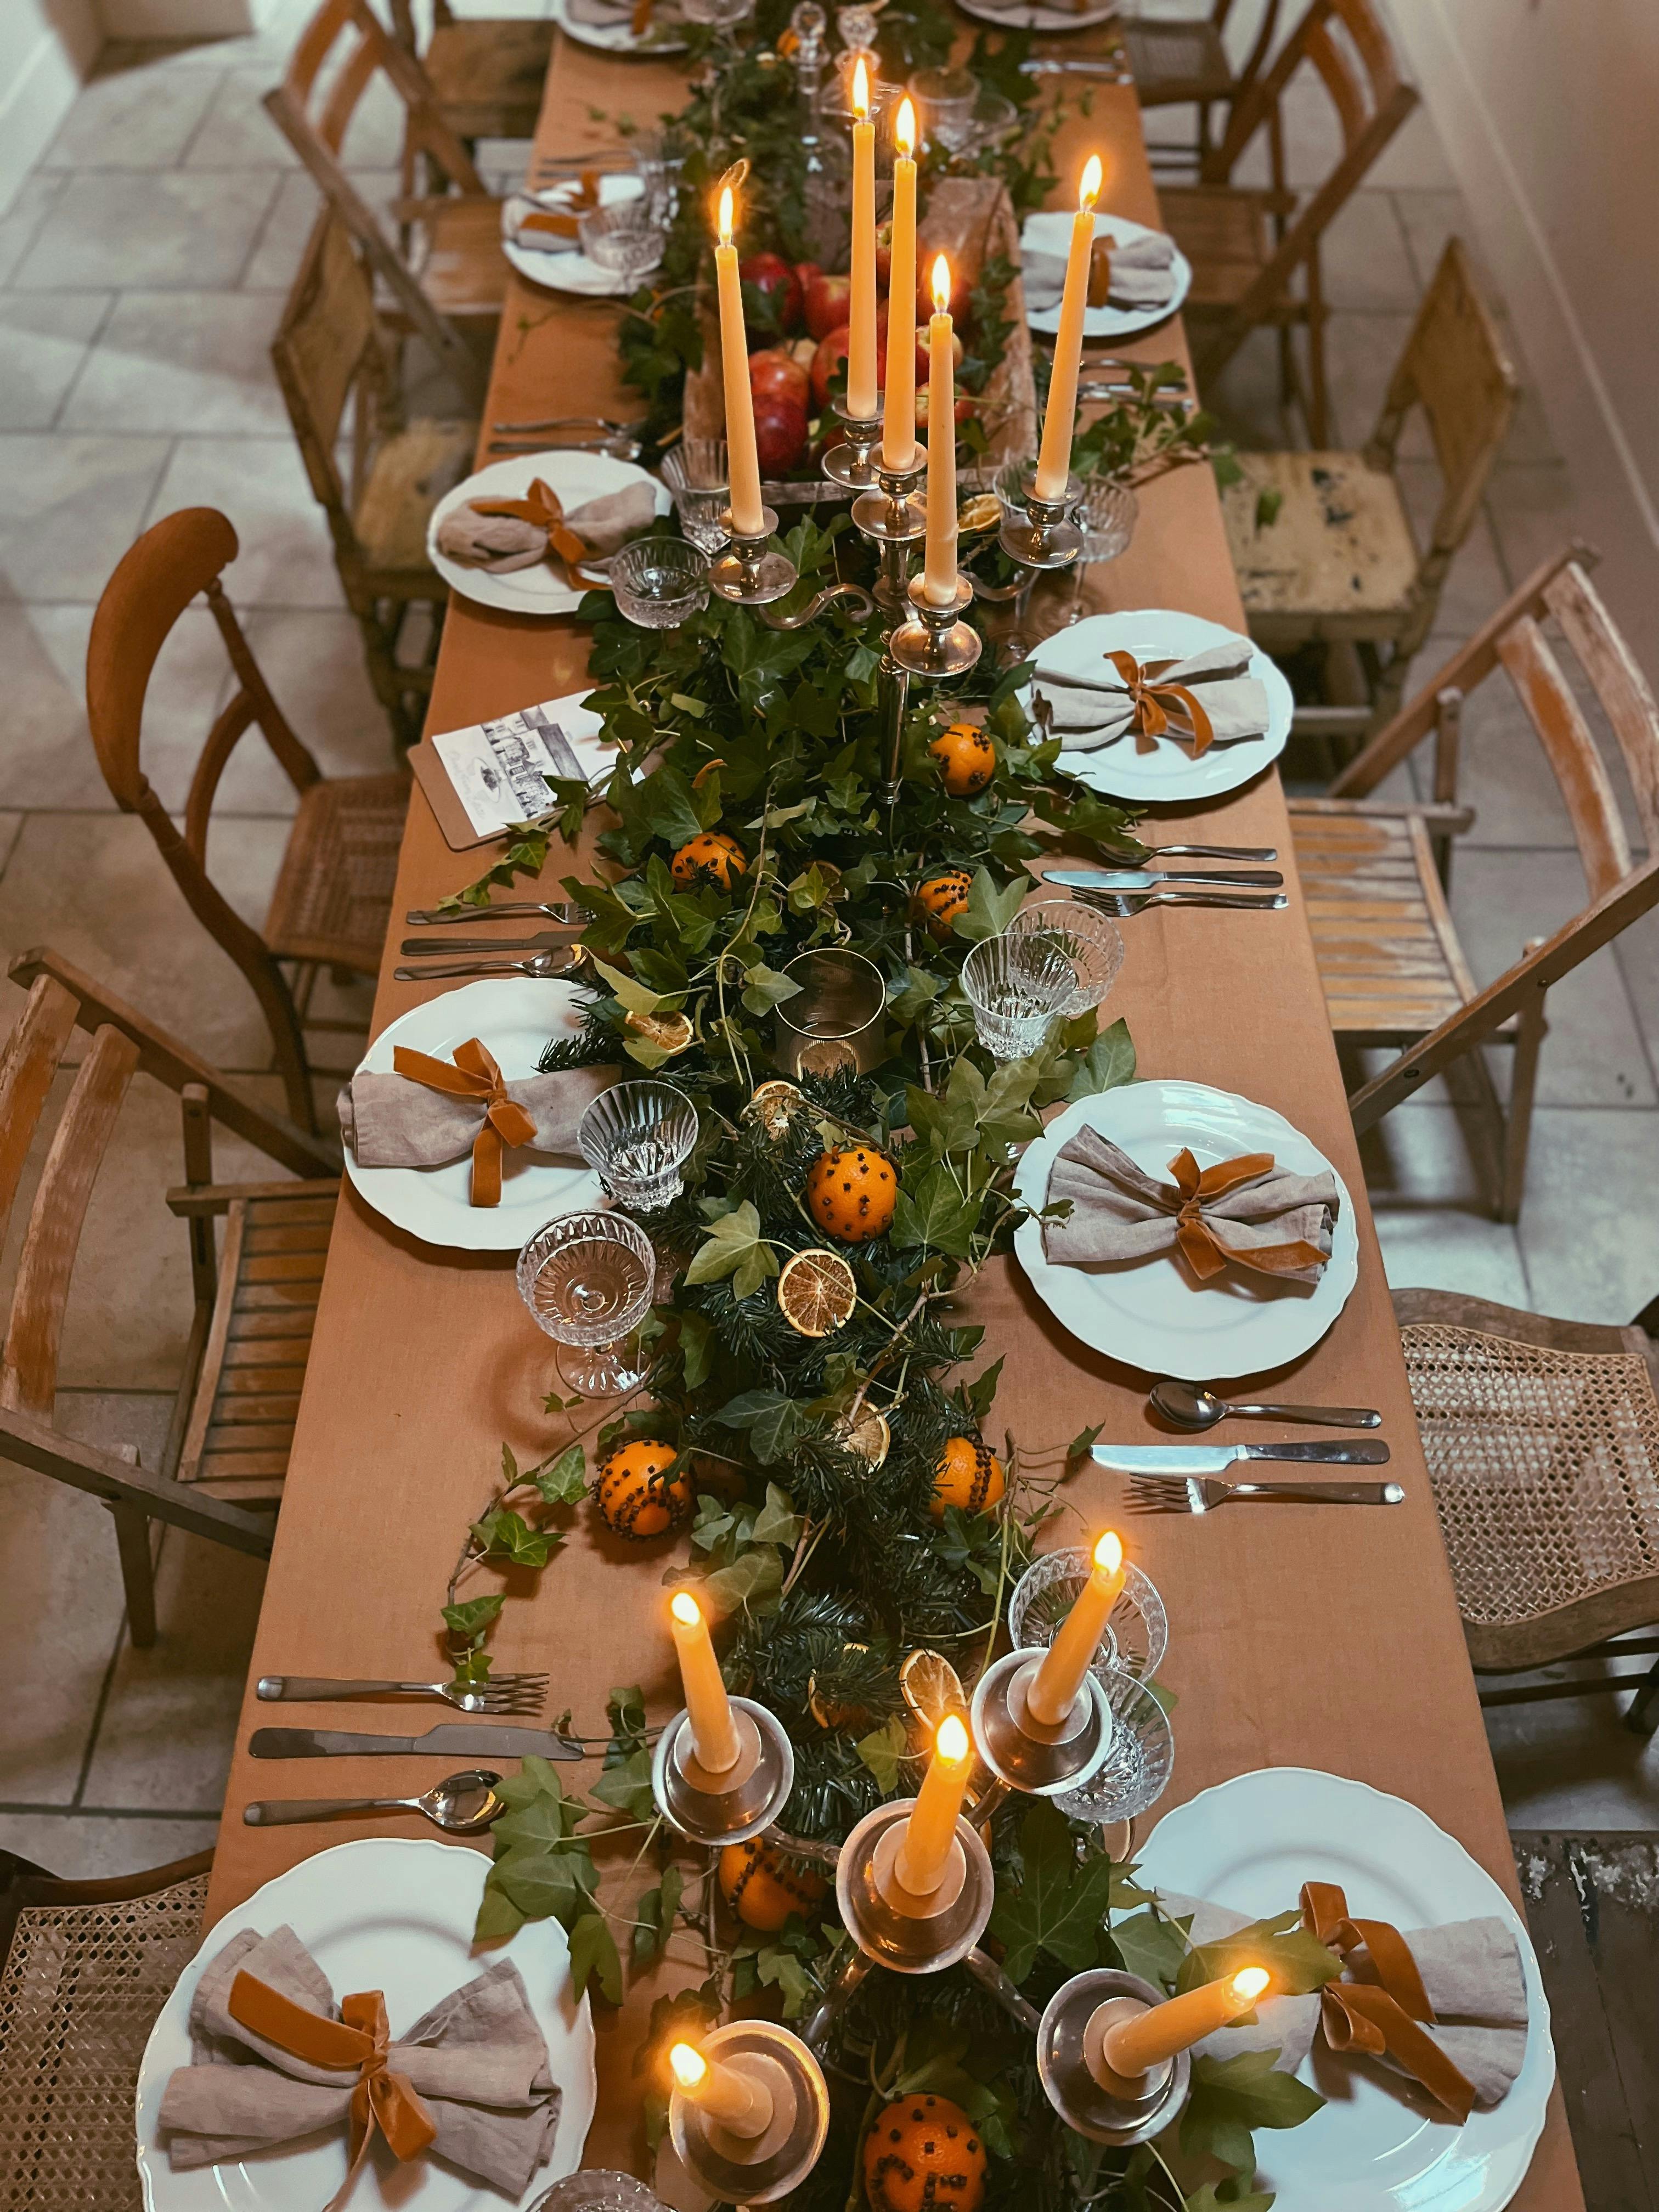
x,y
545,940
1142,879
470,1741
1216,1459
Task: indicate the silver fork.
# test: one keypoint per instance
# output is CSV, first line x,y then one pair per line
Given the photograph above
x,y
568,916
502,1694
1199,1493
541,965
1120,905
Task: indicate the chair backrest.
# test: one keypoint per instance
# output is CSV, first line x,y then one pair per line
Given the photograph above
x,y
1455,368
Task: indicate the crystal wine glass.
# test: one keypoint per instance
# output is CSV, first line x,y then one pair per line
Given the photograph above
x,y
1106,515
1088,941
624,239
637,1136
588,1280
1016,983
695,471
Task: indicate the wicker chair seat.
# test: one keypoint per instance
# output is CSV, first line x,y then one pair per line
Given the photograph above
x,y
1226,232
1338,559
333,896
1174,63
410,474
488,75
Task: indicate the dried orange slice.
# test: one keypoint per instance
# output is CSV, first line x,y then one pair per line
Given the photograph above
x,y
774,1105
868,1438
673,1032
932,1688
817,1291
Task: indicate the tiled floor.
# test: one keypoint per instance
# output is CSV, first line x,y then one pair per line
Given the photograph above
x,y
142,270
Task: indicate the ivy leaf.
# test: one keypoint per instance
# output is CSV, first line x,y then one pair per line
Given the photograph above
x,y
1082,1443
627,1785
497,1915
1109,1060
697,1342
1059,1907
564,1481
1299,1962
504,1535
779,1969
542,1884
470,1619
735,1247
918,990
749,1584
882,1750
777,1522
765,987
654,1917
593,1955
936,1217
1152,1946
633,994
989,911
1231,2096
773,1420
981,1394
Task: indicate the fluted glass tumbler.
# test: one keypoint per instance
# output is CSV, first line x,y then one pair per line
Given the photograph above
x,y
588,1280
1017,984
637,1136
1088,942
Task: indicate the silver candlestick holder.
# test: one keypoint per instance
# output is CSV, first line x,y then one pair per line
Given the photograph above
x,y
935,642
716,1809
752,572
1106,2106
894,519
1040,533
891,1925
851,463
792,2100
1028,1755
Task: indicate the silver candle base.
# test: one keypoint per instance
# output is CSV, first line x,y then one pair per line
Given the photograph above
x,y
1104,2107
723,1809
894,519
752,572
1042,533
907,1933
935,641
1029,1756
741,2171
851,463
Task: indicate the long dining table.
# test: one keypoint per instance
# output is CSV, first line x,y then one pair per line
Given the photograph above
x,y
1300,1636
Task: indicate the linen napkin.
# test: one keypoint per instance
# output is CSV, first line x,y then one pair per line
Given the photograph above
x,y
502,535
476,2067
1208,699
542,229
404,1120
1138,273
1245,1210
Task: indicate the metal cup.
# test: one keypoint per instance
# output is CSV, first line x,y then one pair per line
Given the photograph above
x,y
834,1022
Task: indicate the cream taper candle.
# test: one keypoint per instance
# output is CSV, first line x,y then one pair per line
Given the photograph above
x,y
708,1707
932,1827
861,400
1055,455
938,579
1134,2046
742,2106
898,442
742,463
1066,1661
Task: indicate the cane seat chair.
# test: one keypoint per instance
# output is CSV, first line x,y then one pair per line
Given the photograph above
x,y
1374,872
1337,561
85,1969
1255,250
486,72
1541,1438
1181,62
233,1416
332,900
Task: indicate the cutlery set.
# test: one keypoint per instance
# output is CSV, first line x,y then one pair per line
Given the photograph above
x,y
550,951
1124,891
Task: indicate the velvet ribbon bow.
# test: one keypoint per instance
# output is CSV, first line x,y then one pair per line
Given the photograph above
x,y
474,1075
383,2103
1372,2018
562,221
1202,1250
1153,700
540,505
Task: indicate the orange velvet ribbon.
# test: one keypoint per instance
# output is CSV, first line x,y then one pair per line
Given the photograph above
x,y
474,1075
1153,701
640,20
563,220
382,2103
1375,2017
540,505
1203,1250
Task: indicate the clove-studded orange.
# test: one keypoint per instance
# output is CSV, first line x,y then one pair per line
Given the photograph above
x,y
968,1475
967,758
636,1496
763,1888
851,1191
711,852
924,2155
939,900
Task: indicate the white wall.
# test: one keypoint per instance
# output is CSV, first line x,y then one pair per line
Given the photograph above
x,y
47,48
1548,111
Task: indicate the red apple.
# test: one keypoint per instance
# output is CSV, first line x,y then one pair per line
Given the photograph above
x,y
775,373
806,271
830,356
827,299
802,349
771,274
779,435
885,253
966,408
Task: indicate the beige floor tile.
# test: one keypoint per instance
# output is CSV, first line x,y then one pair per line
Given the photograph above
x,y
313,662
88,1846
1638,952
69,506
236,131
1360,353
109,227
1365,262
1534,513
169,1724
1438,1249
1478,583
1429,1179
1589,1229
11,827
276,259
194,363
286,559
1429,218
137,117
44,337
1572,1763
58,1545
1413,156
24,217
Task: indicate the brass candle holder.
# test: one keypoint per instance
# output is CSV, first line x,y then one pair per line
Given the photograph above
x,y
752,572
851,462
1027,1754
893,1927
894,519
1041,534
794,2100
716,1809
1106,2106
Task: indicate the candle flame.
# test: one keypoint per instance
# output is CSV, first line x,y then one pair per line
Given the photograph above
x,y
685,1608
941,285
1108,1552
904,127
689,2065
1093,175
1248,1984
951,1741
860,90
726,215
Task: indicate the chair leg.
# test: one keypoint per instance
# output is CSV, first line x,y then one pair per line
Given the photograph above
x,y
1643,1718
137,1571
1530,1032
1316,407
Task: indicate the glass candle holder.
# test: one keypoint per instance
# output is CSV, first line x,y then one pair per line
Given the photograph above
x,y
697,472
659,582
834,1022
1077,934
1017,984
637,1136
588,1280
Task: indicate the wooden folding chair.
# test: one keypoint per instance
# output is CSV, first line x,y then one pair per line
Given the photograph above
x,y
1338,562
233,1417
332,357
1180,62
332,901
1374,872
1252,248
452,269
487,72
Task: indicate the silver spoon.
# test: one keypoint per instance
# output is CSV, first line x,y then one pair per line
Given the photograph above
x,y
461,1804
1190,1407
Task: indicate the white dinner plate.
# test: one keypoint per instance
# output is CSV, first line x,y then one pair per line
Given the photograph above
x,y
572,270
1036,16
515,1016
616,38
576,478
389,1913
1167,773
1381,2144
1148,1313
1050,231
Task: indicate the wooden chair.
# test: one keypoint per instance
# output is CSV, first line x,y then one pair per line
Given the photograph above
x,y
1180,62
232,1418
332,355
1338,562
1394,971
452,269
85,1968
487,72
333,902
1542,1443
1251,249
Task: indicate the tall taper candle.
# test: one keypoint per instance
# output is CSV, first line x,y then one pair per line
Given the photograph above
x,y
932,1827
1055,455
861,399
939,581
1134,2046
898,442
708,1708
743,462
1066,1661
739,2105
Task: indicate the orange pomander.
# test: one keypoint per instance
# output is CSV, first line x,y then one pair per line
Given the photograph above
x,y
762,1888
969,1475
851,1192
939,900
710,852
634,1494
924,2155
967,759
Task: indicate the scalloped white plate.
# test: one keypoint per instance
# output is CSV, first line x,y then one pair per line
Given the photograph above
x,y
1380,2145
617,38
571,271
1049,231
575,478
